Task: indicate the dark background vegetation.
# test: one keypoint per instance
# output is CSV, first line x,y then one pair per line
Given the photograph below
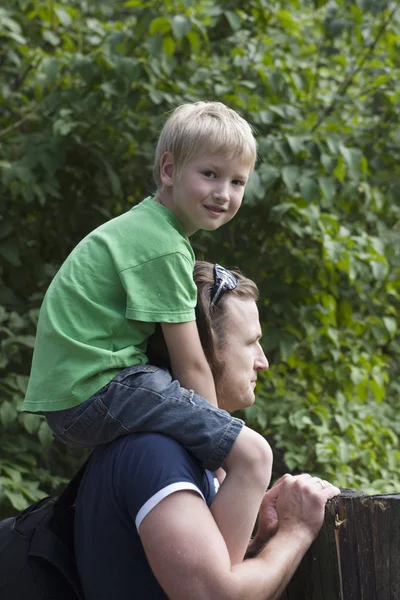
x,y
85,87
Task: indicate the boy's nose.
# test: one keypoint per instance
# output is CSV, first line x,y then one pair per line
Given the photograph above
x,y
221,194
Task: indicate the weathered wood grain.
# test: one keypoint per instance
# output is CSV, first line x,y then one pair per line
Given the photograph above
x,y
357,553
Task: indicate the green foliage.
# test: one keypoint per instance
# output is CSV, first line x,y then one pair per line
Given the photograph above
x,y
27,455
85,88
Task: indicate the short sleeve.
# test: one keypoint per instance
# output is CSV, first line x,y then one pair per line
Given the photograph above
x,y
154,466
161,290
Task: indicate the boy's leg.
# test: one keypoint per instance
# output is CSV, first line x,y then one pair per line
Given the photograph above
x,y
248,472
146,398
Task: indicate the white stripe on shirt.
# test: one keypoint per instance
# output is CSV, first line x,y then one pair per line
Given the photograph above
x,y
160,495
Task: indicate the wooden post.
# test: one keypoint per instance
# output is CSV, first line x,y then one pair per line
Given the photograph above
x,y
357,553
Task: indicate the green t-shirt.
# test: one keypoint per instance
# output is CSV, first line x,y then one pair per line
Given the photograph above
x,y
102,305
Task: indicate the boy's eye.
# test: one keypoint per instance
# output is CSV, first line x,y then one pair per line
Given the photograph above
x,y
238,182
209,173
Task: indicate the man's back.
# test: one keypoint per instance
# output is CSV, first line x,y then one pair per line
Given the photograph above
x,y
124,482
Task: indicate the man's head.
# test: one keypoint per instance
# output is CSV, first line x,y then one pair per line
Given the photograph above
x,y
229,328
193,128
230,332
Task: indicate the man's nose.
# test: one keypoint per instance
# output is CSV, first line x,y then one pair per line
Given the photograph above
x,y
262,363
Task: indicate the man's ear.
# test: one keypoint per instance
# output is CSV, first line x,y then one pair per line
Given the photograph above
x,y
167,169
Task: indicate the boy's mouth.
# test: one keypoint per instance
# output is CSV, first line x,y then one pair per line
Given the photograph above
x,y
217,210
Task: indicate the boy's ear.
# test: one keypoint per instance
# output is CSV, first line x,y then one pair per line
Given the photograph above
x,y
167,169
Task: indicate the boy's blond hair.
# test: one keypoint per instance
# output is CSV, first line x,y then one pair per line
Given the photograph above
x,y
204,127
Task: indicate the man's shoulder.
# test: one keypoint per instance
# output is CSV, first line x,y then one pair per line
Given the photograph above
x,y
134,456
153,445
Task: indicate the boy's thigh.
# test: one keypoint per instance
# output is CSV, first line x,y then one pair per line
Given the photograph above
x,y
146,398
153,391
97,419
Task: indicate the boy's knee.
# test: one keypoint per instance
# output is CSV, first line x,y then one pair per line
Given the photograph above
x,y
252,453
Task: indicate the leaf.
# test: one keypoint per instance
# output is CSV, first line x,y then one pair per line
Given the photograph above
x,y
357,375
352,156
5,229
51,66
159,25
255,188
233,19
342,422
328,187
156,96
113,178
333,144
379,269
378,390
345,312
62,127
269,175
10,251
25,340
8,413
194,41
168,46
296,142
180,26
271,339
286,343
63,16
13,474
18,501
390,324
308,189
45,435
278,211
290,176
50,37
31,422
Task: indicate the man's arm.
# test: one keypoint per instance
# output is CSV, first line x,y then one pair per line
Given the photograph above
x,y
189,557
188,362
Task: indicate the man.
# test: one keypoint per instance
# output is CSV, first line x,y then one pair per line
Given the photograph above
x,y
143,524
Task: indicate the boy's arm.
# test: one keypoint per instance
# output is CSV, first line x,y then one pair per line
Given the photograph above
x,y
188,362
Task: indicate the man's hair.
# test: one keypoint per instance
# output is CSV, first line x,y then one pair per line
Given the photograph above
x,y
212,320
204,127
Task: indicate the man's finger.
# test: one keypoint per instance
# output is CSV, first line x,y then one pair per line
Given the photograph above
x,y
331,491
281,480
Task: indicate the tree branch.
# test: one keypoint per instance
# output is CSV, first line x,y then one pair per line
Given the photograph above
x,y
347,82
4,132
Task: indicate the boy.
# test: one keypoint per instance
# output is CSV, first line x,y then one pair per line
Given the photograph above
x,y
90,373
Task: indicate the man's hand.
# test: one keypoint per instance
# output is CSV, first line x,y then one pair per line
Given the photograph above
x,y
292,502
267,519
300,505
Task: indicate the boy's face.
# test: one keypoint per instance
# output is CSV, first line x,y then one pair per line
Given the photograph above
x,y
207,191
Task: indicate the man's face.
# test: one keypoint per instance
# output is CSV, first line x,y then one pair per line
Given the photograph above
x,y
206,192
241,356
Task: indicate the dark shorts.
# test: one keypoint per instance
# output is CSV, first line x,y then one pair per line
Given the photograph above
x,y
146,398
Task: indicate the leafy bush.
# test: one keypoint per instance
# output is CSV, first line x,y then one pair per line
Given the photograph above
x,y
86,88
